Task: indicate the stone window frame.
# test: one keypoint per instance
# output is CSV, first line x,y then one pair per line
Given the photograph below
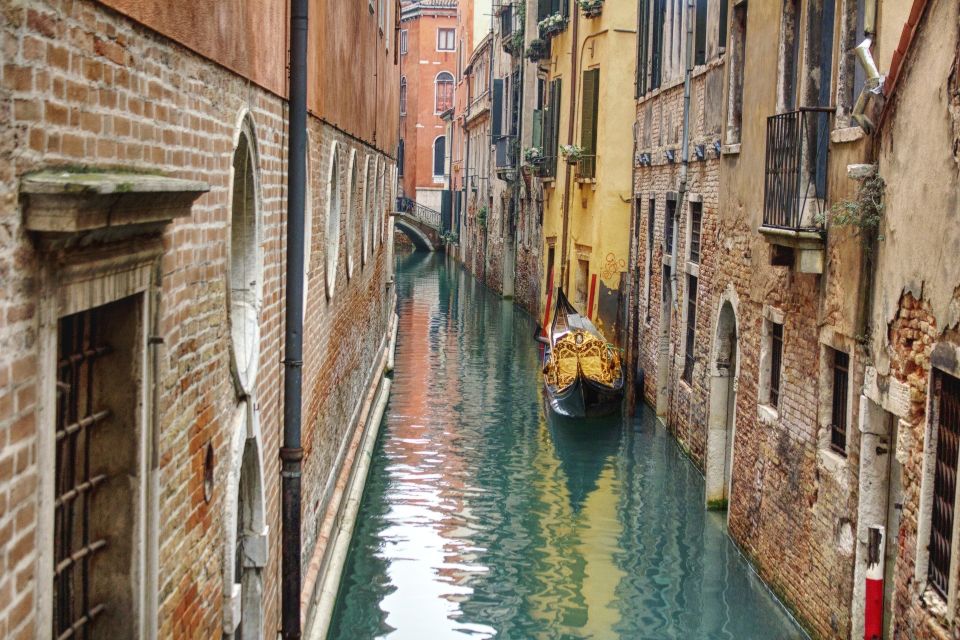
x,y
245,132
403,95
365,185
404,42
348,211
64,295
945,359
768,413
334,206
736,43
831,341
451,31
849,71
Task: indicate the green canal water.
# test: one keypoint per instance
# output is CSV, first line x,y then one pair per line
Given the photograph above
x,y
485,517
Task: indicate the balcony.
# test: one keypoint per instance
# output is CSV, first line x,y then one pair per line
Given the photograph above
x,y
479,106
795,187
587,168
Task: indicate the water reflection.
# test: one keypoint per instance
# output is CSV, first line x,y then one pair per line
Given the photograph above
x,y
482,518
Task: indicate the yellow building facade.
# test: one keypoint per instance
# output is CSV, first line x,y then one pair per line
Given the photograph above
x,y
587,101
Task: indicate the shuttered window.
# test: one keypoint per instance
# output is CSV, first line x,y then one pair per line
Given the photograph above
x,y
947,423
700,33
668,226
496,126
656,52
722,40
551,129
588,123
643,43
536,132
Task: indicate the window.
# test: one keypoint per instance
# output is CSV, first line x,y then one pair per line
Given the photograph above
x,y
668,222
96,458
400,158
722,27
580,284
403,95
838,412
738,27
651,222
550,7
776,359
333,219
700,33
551,130
696,220
946,419
852,77
439,157
688,359
587,167
446,39
790,54
643,33
403,42
353,203
444,92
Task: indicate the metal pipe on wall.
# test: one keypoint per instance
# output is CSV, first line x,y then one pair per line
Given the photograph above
x,y
564,271
291,453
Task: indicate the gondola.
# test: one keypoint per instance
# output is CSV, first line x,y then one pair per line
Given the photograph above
x,y
582,372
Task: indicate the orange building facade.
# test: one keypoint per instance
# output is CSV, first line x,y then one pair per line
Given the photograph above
x,y
428,64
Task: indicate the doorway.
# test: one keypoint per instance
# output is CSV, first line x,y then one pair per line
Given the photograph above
x,y
721,420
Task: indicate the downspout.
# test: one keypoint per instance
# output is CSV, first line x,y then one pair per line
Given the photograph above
x,y
682,186
564,273
684,155
291,454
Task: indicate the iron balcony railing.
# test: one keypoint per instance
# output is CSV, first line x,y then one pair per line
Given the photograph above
x,y
795,187
425,215
587,167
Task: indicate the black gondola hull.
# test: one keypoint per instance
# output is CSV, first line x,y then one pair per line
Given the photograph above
x,y
584,399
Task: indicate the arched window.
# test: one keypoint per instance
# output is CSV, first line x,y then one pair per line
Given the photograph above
x,y
403,95
352,203
444,91
367,208
333,219
246,282
439,156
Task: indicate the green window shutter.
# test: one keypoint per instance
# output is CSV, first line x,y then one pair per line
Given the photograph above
x,y
537,131
555,124
543,9
588,118
497,111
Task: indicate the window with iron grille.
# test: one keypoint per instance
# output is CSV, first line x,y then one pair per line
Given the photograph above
x,y
95,447
444,92
668,222
946,416
838,413
688,359
403,42
696,219
776,360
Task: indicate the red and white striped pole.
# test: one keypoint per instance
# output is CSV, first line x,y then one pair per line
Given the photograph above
x,y
873,606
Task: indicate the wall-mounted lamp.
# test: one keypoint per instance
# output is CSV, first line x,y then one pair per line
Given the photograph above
x,y
700,151
670,155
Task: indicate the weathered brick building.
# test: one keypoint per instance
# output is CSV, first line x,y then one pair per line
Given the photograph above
x,y
142,259
802,388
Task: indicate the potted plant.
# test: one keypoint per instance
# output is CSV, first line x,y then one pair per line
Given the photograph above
x,y
513,44
539,49
571,153
533,155
591,8
552,25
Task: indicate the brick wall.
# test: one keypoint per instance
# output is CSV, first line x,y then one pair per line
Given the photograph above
x,y
82,85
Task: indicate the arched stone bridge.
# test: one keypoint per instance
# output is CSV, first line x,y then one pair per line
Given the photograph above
x,y
420,224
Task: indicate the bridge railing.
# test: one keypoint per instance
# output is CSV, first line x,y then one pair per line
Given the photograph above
x,y
424,215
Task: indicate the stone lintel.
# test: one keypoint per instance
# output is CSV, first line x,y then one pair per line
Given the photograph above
x,y
65,202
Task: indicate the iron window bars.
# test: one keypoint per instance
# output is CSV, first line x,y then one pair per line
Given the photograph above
x,y
795,185
838,421
776,359
947,405
78,414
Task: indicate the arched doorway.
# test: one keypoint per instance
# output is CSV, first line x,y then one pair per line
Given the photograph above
x,y
721,420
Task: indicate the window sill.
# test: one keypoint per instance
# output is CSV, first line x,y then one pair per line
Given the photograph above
x,y
832,462
693,269
590,181
767,415
730,149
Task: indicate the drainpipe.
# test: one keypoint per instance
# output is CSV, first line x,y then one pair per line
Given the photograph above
x,y
564,273
684,154
291,454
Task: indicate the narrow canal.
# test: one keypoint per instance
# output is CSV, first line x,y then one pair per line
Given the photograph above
x,y
484,517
